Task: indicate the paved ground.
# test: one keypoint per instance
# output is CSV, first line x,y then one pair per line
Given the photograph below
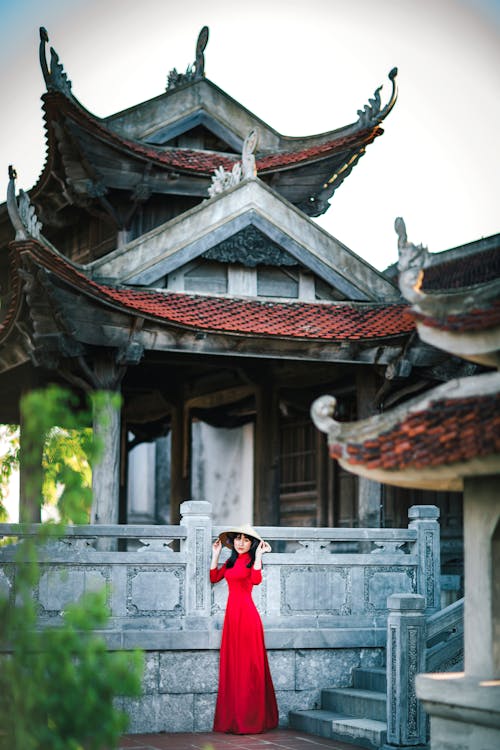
x,y
278,739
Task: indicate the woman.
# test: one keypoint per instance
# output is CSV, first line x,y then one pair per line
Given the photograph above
x,y
246,703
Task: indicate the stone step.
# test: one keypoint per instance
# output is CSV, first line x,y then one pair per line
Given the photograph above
x,y
370,679
355,731
355,702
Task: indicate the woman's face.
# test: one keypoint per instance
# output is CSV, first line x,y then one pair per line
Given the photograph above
x,y
242,544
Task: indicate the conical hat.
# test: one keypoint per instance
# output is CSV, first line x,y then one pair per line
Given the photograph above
x,y
246,529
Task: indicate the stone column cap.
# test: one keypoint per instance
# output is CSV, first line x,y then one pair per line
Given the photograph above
x,y
428,512
406,602
195,508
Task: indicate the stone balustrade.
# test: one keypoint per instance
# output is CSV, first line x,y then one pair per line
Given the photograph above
x,y
323,602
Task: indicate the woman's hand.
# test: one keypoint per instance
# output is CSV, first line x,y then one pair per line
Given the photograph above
x,y
216,547
216,550
262,548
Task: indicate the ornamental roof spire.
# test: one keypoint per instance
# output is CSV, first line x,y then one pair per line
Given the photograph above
x,y
195,71
55,77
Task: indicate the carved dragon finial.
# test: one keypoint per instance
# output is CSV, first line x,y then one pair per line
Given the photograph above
x,y
21,213
199,65
245,169
195,71
411,263
322,411
371,114
55,77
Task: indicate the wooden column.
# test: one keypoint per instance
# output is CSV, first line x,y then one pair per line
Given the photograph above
x,y
266,456
106,376
106,471
180,476
30,477
369,492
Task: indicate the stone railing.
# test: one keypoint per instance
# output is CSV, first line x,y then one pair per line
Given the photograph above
x,y
322,587
416,644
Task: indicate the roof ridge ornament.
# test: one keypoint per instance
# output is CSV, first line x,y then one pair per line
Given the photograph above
x,y
55,78
245,169
194,71
411,264
21,213
371,114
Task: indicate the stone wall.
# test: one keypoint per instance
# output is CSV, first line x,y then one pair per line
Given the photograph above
x,y
180,687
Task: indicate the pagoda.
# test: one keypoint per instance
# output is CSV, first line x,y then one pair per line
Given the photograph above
x,y
168,253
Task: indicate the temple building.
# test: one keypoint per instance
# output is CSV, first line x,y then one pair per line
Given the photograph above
x,y
169,253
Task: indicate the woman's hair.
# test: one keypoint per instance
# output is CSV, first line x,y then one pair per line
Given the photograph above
x,y
234,555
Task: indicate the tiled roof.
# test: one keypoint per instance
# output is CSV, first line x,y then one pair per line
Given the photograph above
x,y
470,269
448,431
295,320
303,320
205,162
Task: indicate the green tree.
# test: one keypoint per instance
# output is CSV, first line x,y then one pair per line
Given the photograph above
x,y
9,461
58,685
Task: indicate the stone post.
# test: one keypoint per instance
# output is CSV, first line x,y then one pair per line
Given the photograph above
x,y
424,518
196,516
406,721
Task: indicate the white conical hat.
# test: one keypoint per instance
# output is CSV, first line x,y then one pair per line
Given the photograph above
x,y
246,529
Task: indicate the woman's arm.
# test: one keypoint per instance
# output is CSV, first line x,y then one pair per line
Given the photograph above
x,y
257,566
216,573
216,549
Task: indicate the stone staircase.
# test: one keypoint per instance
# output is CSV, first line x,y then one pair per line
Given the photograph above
x,y
354,715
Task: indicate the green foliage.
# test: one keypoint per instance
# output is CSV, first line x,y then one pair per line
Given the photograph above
x,y
58,685
9,461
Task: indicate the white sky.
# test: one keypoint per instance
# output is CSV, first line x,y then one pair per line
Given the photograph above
x,y
303,67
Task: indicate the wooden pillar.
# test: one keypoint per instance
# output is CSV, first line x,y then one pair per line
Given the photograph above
x,y
30,476
106,471
266,456
369,492
180,472
106,376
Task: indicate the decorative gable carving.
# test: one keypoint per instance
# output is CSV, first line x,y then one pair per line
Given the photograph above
x,y
250,247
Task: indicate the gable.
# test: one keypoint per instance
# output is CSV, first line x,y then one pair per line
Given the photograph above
x,y
248,226
249,263
197,130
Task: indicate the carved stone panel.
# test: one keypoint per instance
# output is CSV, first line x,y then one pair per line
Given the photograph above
x,y
381,582
316,588
155,591
59,586
250,247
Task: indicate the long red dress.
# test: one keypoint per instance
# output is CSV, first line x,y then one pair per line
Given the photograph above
x,y
246,702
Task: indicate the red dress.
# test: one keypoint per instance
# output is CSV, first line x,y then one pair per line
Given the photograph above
x,y
246,702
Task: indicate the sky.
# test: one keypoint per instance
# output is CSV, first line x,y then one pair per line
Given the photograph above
x,y
303,68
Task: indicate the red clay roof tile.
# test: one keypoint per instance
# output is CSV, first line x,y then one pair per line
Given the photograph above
x,y
296,320
436,436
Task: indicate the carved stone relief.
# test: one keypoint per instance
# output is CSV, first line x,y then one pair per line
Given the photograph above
x,y
155,591
382,581
302,588
59,586
251,248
